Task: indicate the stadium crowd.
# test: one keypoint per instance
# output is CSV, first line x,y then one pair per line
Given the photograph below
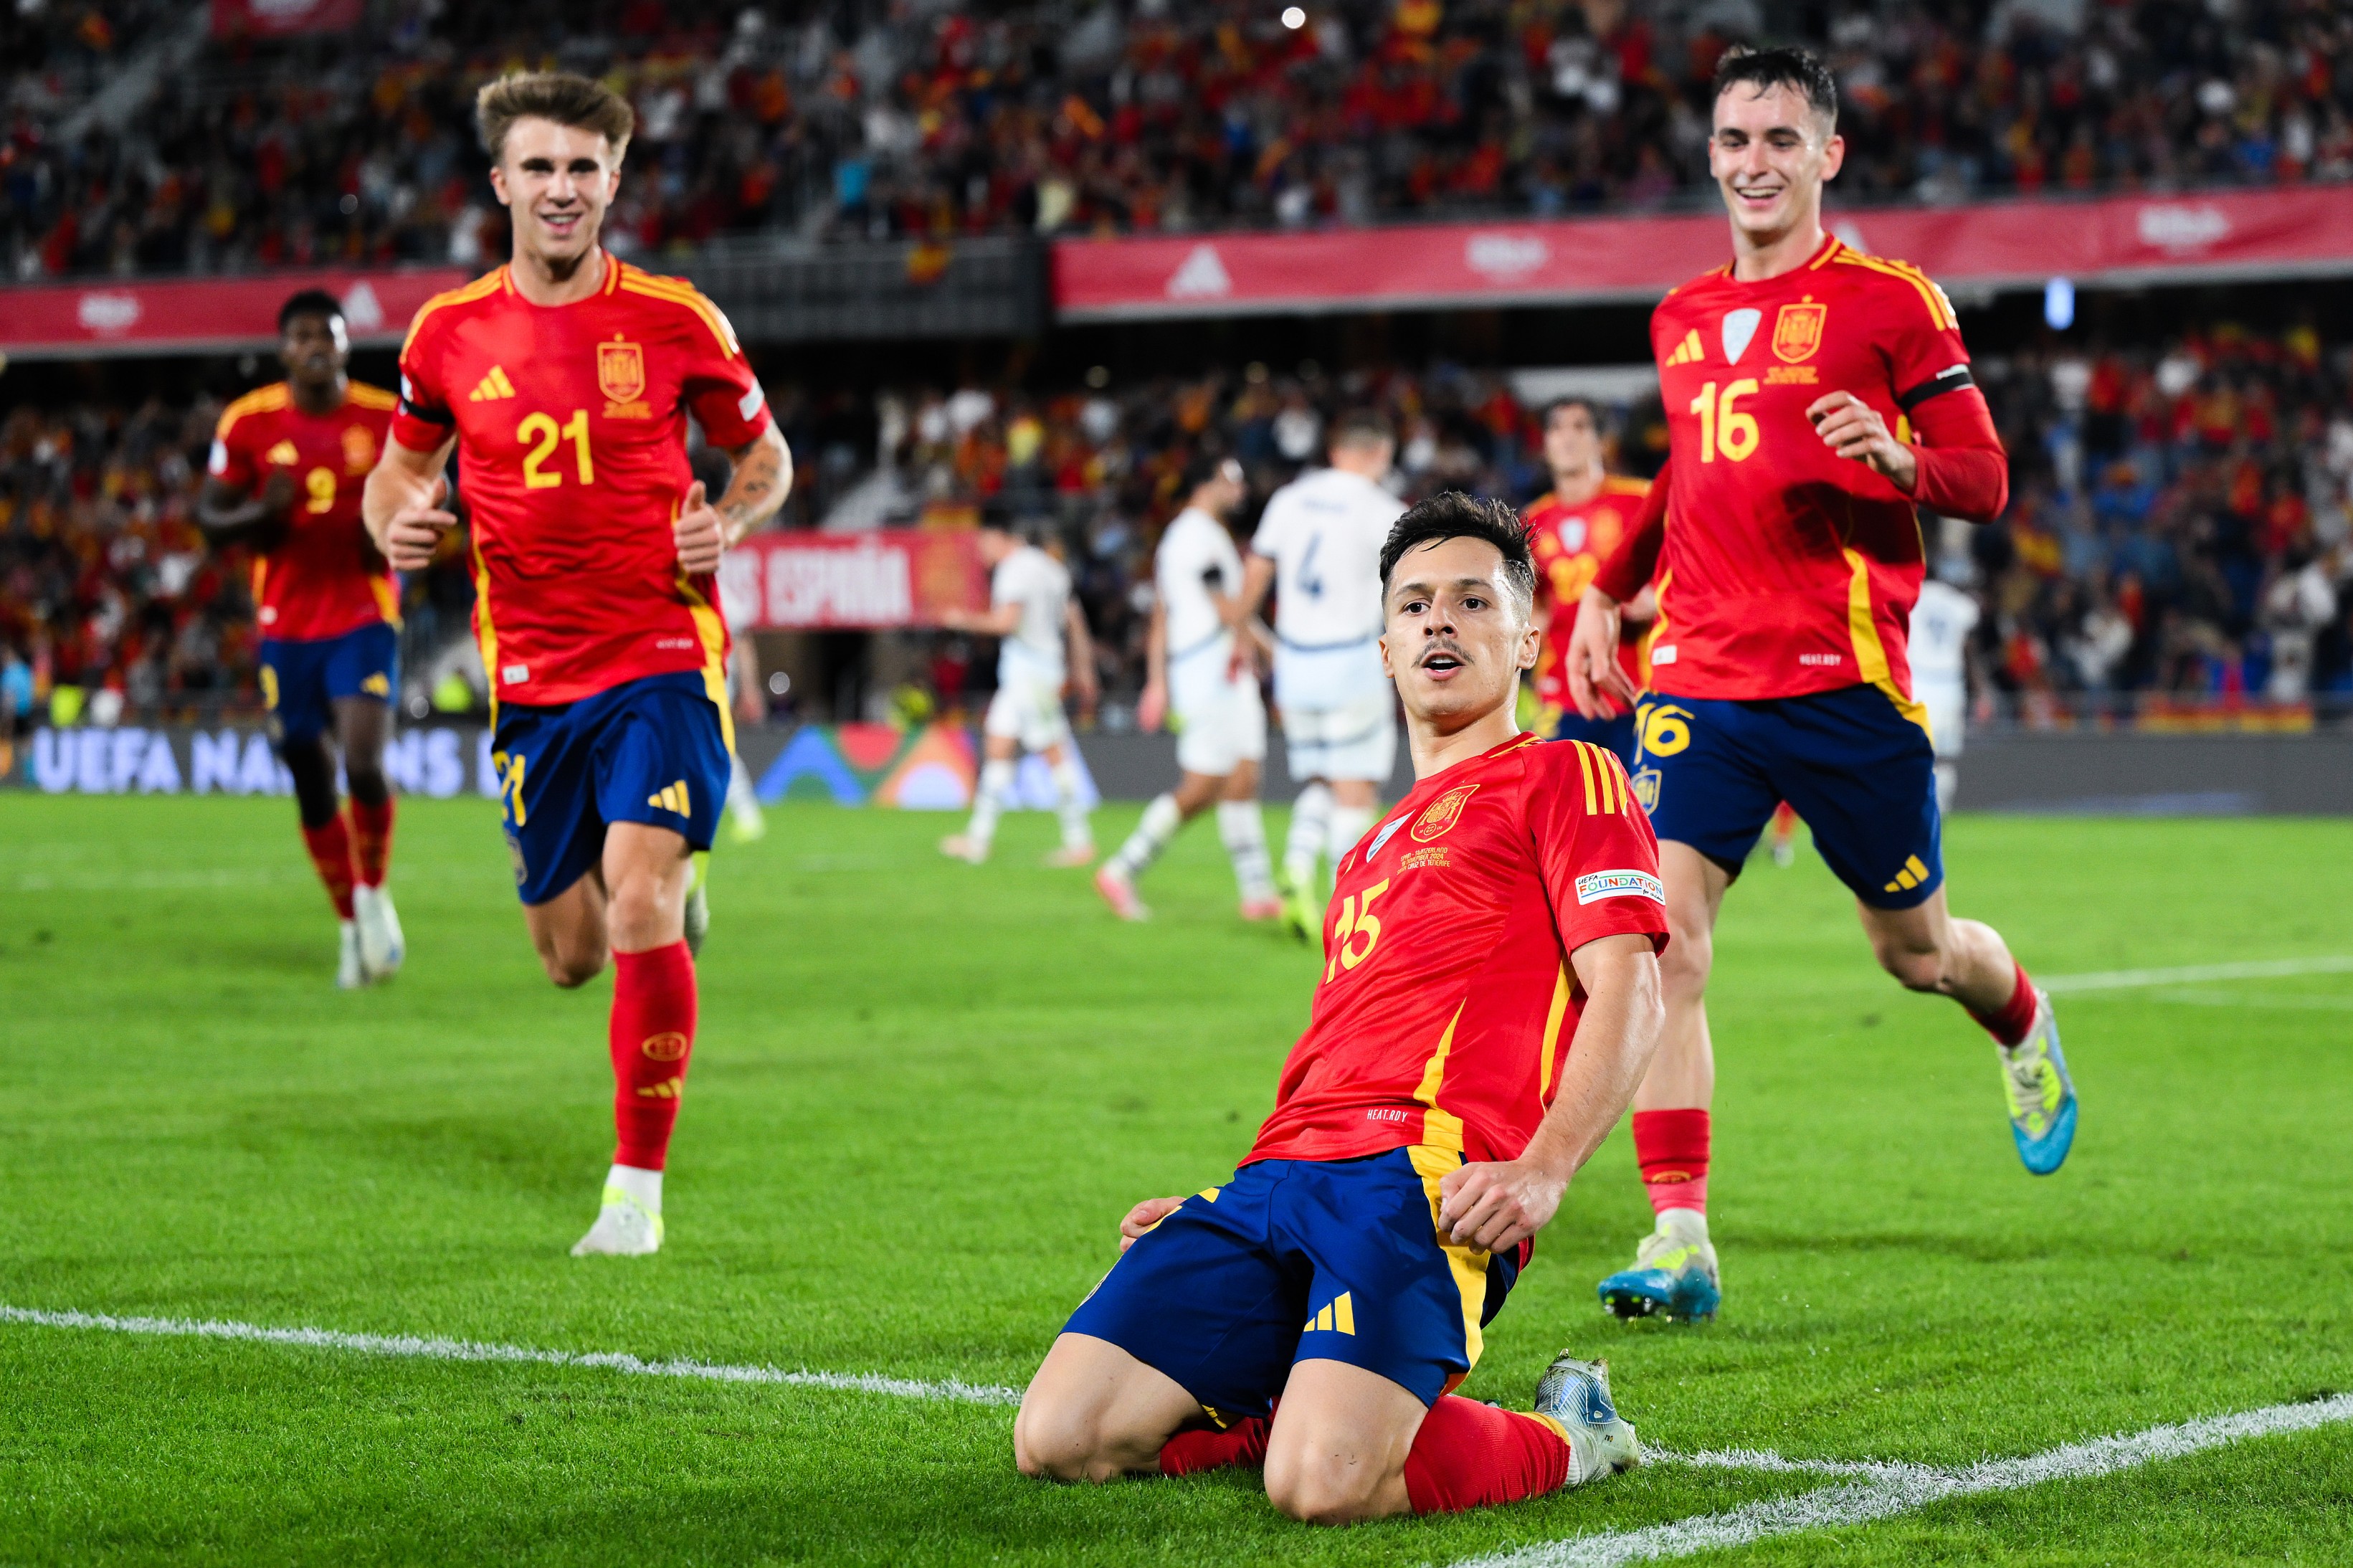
x,y
924,118
2178,522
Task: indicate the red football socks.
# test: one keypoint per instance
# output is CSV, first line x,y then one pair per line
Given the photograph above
x,y
652,1031
1469,1454
330,852
2010,1024
371,841
1243,1443
1671,1147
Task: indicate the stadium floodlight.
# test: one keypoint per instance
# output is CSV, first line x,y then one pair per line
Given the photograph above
x,y
2058,304
1294,17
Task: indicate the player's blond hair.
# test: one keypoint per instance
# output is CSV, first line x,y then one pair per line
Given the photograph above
x,y
559,96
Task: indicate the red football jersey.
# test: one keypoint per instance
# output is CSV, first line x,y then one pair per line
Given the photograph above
x,y
571,427
1448,1003
1569,543
1787,569
327,577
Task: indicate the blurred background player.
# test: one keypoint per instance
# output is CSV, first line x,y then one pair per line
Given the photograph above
x,y
1202,669
1942,621
563,382
1571,529
1417,1143
1788,548
1032,611
1318,546
746,823
288,463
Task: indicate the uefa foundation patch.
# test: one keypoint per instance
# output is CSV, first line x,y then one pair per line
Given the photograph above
x,y
1595,886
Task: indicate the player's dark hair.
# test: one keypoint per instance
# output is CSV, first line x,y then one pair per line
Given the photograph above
x,y
308,302
1451,514
559,96
1362,427
1764,70
1574,400
1200,469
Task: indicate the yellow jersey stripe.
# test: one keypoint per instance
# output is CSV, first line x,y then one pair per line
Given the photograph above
x,y
489,283
1830,253
1585,766
1928,293
366,397
1553,1017
693,301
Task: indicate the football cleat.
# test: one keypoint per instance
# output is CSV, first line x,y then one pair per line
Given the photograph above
x,y
349,973
1256,909
1301,918
1575,1396
747,825
1673,1276
623,1229
1070,857
2042,1095
381,947
957,846
1120,894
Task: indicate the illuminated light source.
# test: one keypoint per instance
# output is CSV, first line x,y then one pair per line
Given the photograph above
x,y
1294,17
2058,304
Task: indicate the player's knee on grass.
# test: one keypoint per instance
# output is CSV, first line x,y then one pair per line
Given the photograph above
x,y
1317,1486
1065,1440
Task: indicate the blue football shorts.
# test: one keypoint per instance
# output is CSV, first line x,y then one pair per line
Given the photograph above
x,y
303,677
1850,762
1302,1261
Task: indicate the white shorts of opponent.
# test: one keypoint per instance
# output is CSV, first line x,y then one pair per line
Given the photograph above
x,y
1220,718
1028,711
1947,707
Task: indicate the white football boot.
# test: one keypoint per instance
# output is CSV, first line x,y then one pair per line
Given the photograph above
x,y
1575,1396
381,946
349,973
629,1224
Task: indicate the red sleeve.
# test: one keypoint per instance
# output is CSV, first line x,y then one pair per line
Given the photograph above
x,y
422,421
232,456
1595,849
1629,569
1964,472
721,391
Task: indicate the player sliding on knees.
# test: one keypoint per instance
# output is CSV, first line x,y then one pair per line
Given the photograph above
x,y
1489,1000
329,608
563,381
1201,657
1815,397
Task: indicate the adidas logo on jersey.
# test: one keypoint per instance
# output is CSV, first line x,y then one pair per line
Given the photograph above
x,y
670,797
282,454
1689,351
493,386
1338,1316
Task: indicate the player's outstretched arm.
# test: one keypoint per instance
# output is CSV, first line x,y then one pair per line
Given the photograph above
x,y
402,505
1084,681
1153,706
1258,580
705,530
230,516
1496,1204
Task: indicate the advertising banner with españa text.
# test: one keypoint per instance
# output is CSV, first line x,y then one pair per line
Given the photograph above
x,y
800,581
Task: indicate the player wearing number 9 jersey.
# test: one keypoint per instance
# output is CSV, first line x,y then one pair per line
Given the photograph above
x,y
1817,396
1486,1006
563,382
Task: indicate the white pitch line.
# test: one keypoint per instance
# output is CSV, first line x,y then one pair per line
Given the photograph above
x,y
437,1349
1915,1487
2258,969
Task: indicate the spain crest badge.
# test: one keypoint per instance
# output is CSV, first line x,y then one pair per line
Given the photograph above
x,y
1443,814
621,370
1797,330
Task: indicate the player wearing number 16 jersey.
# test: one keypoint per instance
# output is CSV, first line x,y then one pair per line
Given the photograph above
x,y
1816,396
563,382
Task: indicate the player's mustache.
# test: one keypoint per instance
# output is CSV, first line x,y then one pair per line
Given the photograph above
x,y
1445,646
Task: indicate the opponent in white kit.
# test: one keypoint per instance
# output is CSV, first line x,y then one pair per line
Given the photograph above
x,y
1319,546
1203,673
1942,620
1031,611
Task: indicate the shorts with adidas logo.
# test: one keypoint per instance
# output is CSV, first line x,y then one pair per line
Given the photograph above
x,y
1303,1260
652,750
1853,764
303,678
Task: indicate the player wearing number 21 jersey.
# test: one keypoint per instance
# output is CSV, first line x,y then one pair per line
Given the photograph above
x,y
1483,1010
563,382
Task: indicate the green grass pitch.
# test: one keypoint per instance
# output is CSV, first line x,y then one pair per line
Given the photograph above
x,y
924,1094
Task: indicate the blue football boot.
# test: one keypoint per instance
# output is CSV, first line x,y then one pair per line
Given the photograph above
x,y
1574,1395
2042,1095
1673,1275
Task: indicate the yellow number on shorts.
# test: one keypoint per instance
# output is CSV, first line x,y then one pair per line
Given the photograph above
x,y
320,483
1723,428
510,772
1662,728
269,689
543,428
1356,919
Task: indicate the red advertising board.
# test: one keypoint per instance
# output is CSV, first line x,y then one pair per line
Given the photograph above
x,y
800,581
281,18
74,320
2291,232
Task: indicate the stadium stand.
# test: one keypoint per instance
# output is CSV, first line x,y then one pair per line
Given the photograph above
x,y
2178,524
926,119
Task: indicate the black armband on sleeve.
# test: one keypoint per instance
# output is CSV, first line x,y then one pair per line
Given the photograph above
x,y
1952,378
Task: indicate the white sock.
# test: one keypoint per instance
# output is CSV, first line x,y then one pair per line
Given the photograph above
x,y
1948,782
988,802
644,1188
1687,1226
743,798
1242,827
1076,832
1349,823
1152,836
1311,825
